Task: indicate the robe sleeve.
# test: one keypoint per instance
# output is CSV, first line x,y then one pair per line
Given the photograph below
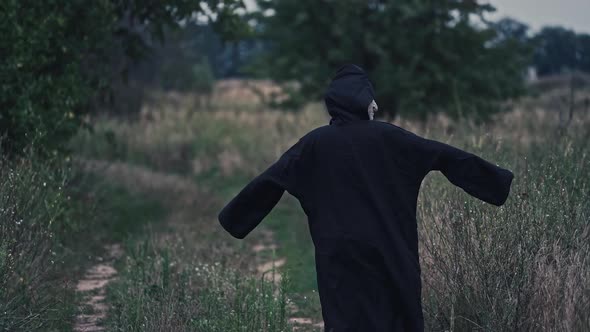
x,y
255,201
476,176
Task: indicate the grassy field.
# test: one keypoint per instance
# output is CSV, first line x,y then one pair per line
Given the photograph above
x,y
54,223
523,266
155,183
217,158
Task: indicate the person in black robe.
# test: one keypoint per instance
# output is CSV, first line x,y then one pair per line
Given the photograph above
x,y
357,181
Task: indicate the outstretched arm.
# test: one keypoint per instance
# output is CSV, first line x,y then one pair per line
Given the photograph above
x,y
245,211
474,175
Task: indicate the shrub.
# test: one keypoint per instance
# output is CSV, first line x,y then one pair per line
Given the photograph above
x,y
32,206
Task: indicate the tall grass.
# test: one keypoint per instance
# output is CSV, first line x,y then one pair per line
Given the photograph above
x,y
53,220
197,142
155,292
33,213
522,267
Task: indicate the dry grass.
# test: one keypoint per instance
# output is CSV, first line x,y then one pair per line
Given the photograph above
x,y
524,266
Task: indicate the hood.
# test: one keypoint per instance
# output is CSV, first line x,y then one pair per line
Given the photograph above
x,y
349,94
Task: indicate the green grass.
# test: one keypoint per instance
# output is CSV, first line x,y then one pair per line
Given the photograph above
x,y
34,217
155,292
102,212
519,267
176,280
289,225
291,231
168,282
124,214
52,222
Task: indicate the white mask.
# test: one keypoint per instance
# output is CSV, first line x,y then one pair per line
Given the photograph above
x,y
372,109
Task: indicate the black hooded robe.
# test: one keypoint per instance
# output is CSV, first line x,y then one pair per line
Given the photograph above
x,y
357,181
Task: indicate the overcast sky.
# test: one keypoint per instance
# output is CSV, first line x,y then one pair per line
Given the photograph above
x,y
572,14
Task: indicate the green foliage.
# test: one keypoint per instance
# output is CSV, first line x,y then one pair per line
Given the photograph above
x,y
511,29
423,56
43,47
203,79
183,76
57,55
159,15
558,49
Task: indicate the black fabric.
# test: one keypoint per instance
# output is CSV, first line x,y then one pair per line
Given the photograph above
x,y
357,181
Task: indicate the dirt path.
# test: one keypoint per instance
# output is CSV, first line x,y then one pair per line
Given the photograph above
x,y
92,287
181,193
270,269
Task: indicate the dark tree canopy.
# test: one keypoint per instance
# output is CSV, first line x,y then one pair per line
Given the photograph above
x,y
558,49
423,56
511,29
44,47
57,54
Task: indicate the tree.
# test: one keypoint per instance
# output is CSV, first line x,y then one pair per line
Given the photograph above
x,y
558,49
423,56
150,45
57,54
555,50
511,29
583,58
44,46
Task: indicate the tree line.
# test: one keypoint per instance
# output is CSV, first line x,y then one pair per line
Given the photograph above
x,y
65,58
